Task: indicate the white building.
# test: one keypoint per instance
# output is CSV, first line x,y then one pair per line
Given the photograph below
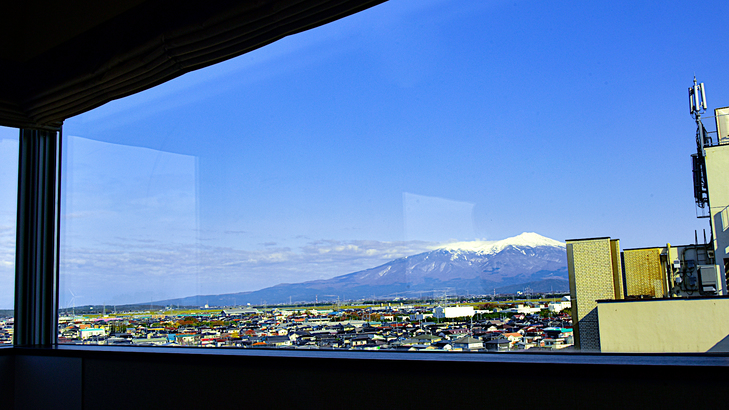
x,y
467,343
420,316
453,311
524,309
87,333
240,311
563,304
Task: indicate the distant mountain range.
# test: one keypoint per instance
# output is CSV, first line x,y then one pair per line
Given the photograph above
x,y
525,262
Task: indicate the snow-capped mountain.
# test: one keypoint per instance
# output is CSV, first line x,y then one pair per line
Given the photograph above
x,y
524,261
470,267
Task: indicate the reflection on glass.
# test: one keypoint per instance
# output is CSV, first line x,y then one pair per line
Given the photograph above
x,y
129,213
402,179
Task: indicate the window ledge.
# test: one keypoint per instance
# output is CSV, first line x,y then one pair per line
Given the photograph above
x,y
574,358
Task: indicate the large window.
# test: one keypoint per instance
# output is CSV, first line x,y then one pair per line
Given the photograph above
x,y
395,145
8,207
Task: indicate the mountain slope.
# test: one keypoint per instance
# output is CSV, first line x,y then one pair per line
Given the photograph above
x,y
463,268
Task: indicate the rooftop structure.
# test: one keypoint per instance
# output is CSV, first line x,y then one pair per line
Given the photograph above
x,y
650,318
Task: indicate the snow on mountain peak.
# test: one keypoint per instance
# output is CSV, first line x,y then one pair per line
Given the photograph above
x,y
526,239
531,239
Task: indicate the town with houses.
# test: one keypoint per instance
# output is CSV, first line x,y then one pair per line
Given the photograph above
x,y
404,326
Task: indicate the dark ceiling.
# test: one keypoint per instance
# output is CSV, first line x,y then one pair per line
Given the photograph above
x,y
61,58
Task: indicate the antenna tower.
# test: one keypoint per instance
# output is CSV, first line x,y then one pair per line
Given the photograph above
x,y
697,106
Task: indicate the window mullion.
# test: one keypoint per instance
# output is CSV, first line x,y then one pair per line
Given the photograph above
x,y
36,261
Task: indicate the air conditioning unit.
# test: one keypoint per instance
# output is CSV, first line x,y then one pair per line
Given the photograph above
x,y
709,279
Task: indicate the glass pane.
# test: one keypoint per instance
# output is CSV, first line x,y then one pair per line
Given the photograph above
x,y
412,170
8,215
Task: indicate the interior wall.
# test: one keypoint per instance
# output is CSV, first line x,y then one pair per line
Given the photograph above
x,y
7,377
165,380
47,382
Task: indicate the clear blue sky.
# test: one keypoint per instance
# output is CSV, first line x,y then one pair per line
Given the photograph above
x,y
413,123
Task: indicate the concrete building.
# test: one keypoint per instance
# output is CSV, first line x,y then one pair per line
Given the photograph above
x,y
453,312
675,325
523,309
643,312
563,304
717,164
420,316
652,318
467,343
92,331
646,273
594,274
